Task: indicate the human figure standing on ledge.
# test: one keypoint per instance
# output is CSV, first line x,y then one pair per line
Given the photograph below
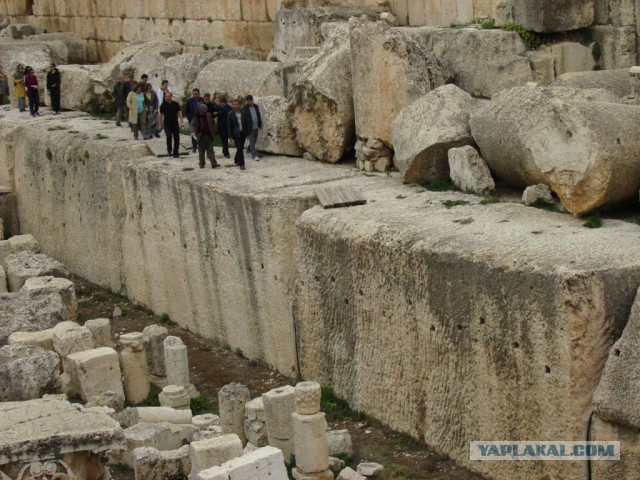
x,y
31,84
223,125
256,125
239,126
172,120
137,118
202,128
18,87
53,85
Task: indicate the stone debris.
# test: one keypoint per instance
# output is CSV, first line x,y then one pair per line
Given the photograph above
x,y
100,329
152,464
23,243
231,400
615,81
107,399
26,264
133,361
215,451
155,336
350,474
71,340
42,338
117,312
265,462
469,172
204,421
369,469
424,132
279,404
177,364
27,372
537,193
277,135
373,155
339,442
62,286
162,415
175,397
254,423
96,373
550,16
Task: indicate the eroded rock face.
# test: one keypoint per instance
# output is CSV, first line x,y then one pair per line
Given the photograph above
x,y
585,148
617,400
27,372
68,47
614,81
392,71
30,312
322,99
553,15
424,132
24,265
277,136
468,170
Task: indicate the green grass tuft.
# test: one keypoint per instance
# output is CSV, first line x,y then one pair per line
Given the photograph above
x,y
439,185
201,405
594,221
454,203
487,199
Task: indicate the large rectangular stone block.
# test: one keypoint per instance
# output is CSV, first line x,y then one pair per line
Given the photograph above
x,y
96,371
553,15
263,463
213,451
310,442
153,464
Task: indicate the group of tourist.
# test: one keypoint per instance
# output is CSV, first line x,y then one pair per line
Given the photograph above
x,y
25,85
151,111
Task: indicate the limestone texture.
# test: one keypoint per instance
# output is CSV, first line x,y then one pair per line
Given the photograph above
x,y
95,372
468,171
27,372
100,329
339,442
628,467
310,442
155,336
153,464
24,265
537,193
215,451
393,71
277,135
72,340
30,312
63,286
232,399
572,140
67,47
265,462
321,102
350,474
481,62
553,15
615,81
617,45
424,131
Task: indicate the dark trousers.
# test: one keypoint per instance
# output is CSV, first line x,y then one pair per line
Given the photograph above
x,y
224,136
173,133
34,100
239,158
205,144
54,93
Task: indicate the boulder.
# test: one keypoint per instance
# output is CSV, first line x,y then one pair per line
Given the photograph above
x,y
553,15
339,442
237,78
67,46
79,91
617,398
27,372
350,474
619,13
95,372
24,265
21,243
616,46
49,284
393,70
482,62
468,170
322,100
614,81
584,148
537,193
424,132
150,463
277,135
30,312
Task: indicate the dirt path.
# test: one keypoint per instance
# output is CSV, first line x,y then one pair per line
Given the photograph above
x,y
213,366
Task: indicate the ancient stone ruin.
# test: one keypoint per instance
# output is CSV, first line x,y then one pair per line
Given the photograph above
x,y
463,299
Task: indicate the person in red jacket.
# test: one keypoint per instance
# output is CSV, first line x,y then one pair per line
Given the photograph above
x,y
31,84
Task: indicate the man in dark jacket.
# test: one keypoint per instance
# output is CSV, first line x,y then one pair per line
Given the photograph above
x,y
256,124
191,111
202,128
239,127
53,85
223,125
120,92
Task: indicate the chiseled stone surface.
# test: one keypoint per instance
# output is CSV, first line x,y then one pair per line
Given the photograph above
x,y
95,372
265,462
24,265
553,15
27,372
232,399
546,304
27,428
153,464
614,81
214,451
63,286
628,467
468,171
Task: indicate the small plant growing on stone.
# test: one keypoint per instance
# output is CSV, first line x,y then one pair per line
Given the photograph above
x,y
488,23
531,39
487,199
454,203
220,47
56,127
201,405
85,154
593,221
239,352
100,136
205,46
209,19
48,153
226,346
187,169
74,131
164,318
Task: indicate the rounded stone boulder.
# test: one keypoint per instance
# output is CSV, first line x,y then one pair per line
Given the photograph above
x,y
580,143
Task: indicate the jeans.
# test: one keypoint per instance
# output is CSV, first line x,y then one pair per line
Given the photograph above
x,y
173,133
34,101
253,137
21,106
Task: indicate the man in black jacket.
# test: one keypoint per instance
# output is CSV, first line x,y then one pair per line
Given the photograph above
x,y
202,128
256,125
239,127
53,85
120,92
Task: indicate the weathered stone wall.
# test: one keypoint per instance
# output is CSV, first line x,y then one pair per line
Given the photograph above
x,y
477,322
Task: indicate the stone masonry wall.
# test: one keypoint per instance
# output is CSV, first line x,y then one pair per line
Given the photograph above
x,y
108,26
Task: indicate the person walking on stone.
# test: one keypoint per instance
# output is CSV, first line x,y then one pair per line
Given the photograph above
x,y
151,111
31,84
256,125
191,110
223,125
18,86
53,85
160,93
135,104
202,128
172,120
239,127
120,93
4,86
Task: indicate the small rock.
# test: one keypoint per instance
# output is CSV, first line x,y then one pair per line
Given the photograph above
x,y
117,312
369,469
536,193
335,462
350,474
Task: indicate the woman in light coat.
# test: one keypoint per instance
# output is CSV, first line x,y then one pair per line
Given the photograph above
x,y
137,117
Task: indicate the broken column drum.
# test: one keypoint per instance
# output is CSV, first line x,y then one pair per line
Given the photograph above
x,y
133,360
176,362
